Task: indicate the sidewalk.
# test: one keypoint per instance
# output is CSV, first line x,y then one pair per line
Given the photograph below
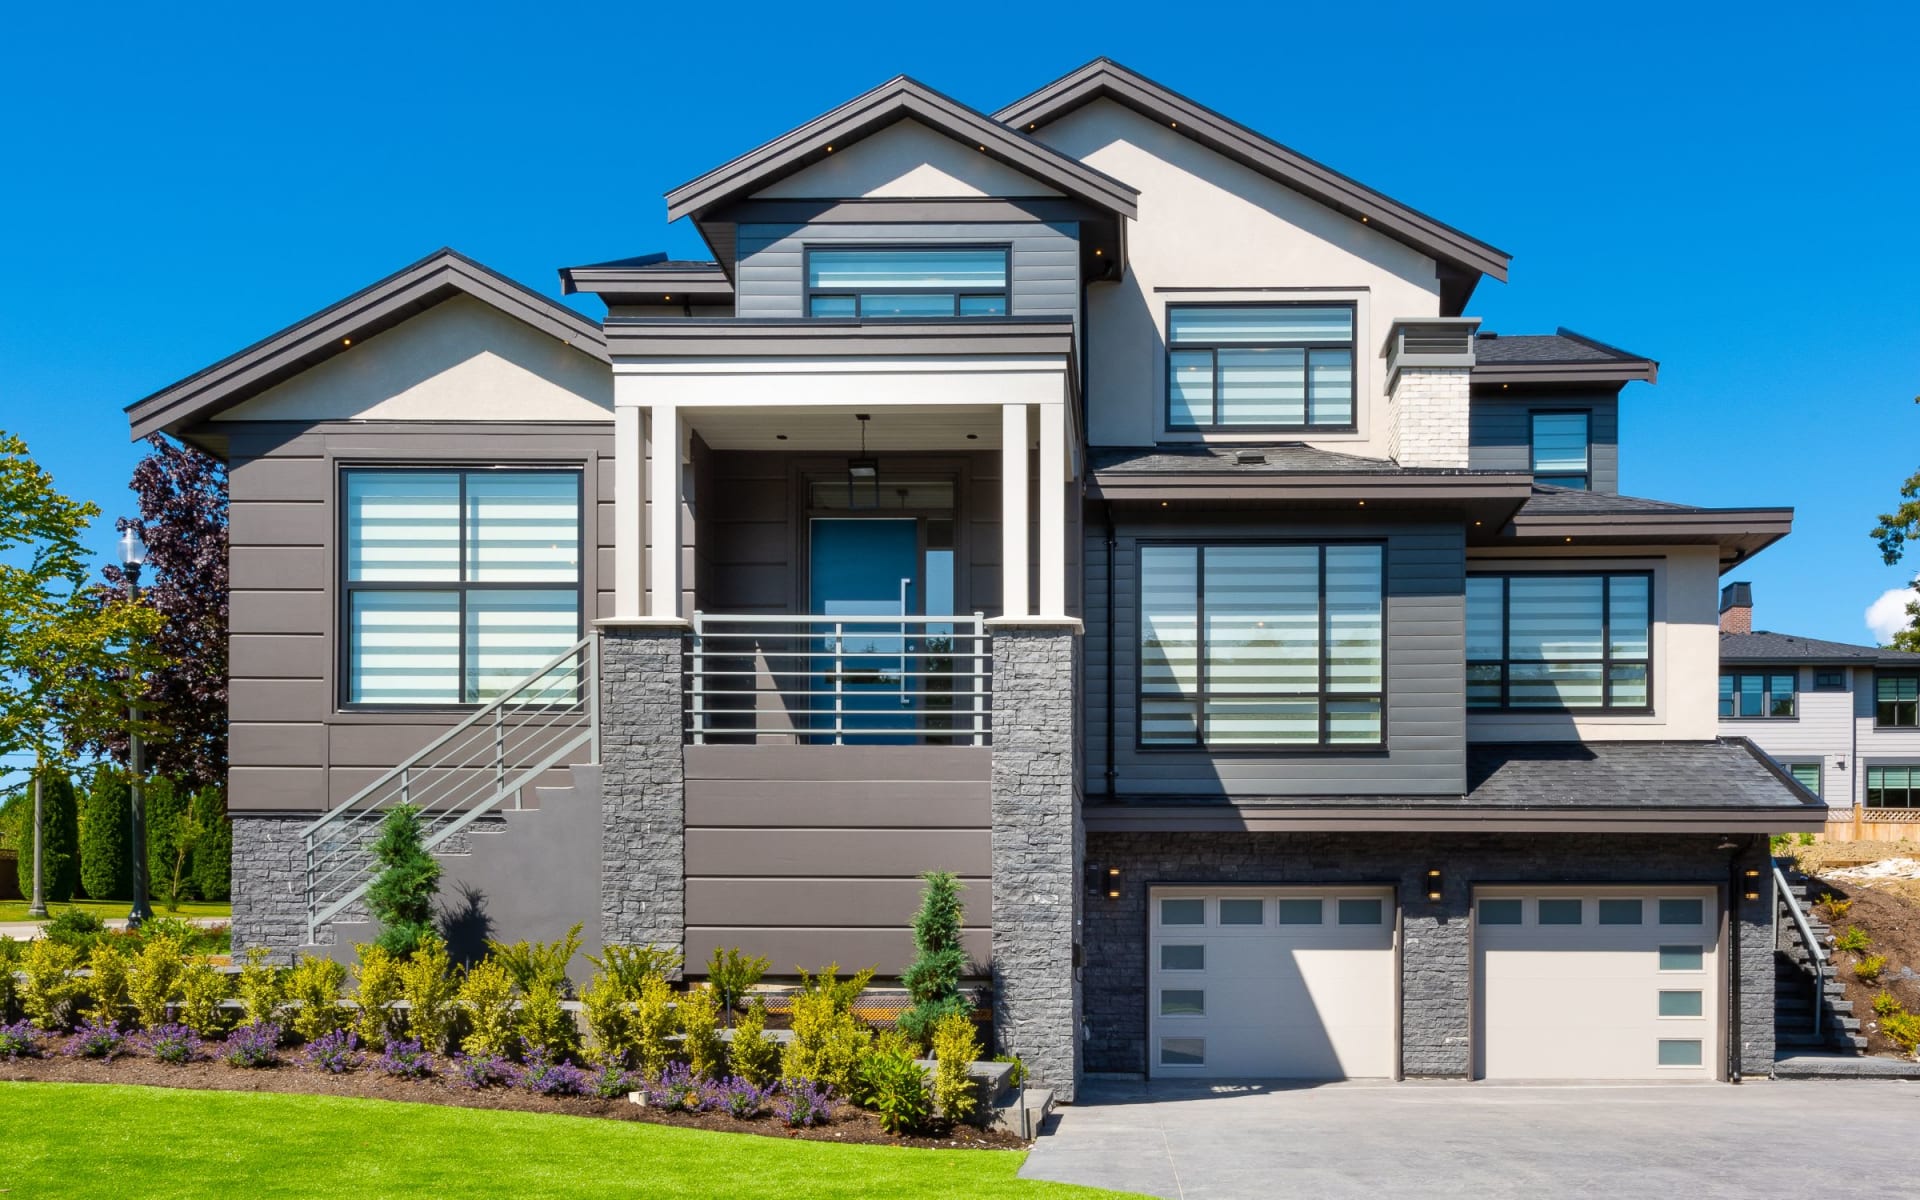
x,y
28,930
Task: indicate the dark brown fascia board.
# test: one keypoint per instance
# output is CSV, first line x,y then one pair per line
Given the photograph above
x,y
1640,370
616,286
1103,78
1740,533
734,338
1511,490
1228,816
380,306
898,99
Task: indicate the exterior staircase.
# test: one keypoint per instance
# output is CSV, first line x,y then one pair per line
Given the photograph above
x,y
1805,977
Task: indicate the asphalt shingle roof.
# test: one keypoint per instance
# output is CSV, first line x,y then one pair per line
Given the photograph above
x,y
1765,646
1277,458
1560,501
1565,346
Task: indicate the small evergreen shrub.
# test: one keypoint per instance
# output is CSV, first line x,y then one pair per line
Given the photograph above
x,y
314,986
376,985
486,993
53,984
755,1056
544,1076
699,1011
894,1087
1853,941
75,927
10,951
956,1044
401,897
538,964
427,985
175,1045
19,1040
263,988
545,1025
108,987
654,1021
97,1039
631,966
933,978
604,1004
1869,969
733,975
1885,1005
336,1053
255,1045
476,1071
804,1103
406,1059
201,988
1016,1078
1903,1030
828,1039
151,979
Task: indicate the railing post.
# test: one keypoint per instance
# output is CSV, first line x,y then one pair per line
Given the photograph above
x,y
313,935
593,698
699,714
839,713
406,785
979,679
500,752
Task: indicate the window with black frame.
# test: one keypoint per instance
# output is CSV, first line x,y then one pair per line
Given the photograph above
x,y
1893,786
1260,366
1806,774
1562,449
1245,646
1759,694
1896,699
456,583
904,284
1560,641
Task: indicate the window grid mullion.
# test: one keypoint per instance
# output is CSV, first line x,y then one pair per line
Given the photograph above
x,y
1325,648
1201,647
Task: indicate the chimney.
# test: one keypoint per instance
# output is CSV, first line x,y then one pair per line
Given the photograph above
x,y
1736,608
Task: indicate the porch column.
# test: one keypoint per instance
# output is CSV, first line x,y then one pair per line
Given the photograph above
x,y
1013,511
629,507
663,494
1053,510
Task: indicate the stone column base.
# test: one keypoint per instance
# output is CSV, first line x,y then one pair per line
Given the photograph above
x,y
643,890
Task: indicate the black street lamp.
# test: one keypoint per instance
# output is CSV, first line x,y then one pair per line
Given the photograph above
x,y
133,552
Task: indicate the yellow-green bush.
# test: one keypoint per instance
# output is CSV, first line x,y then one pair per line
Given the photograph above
x,y
428,987
263,987
108,987
655,1021
486,993
1903,1030
756,1057
700,1033
151,977
609,1020
1869,969
545,1025
827,1038
315,983
956,1044
200,989
1885,1005
53,983
376,985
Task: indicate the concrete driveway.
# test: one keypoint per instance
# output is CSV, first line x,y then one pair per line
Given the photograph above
x,y
1684,1142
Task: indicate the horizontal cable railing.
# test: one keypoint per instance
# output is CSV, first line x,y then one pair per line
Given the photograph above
x,y
485,761
839,680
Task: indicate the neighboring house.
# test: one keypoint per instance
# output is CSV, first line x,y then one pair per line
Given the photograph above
x,y
1096,499
1844,720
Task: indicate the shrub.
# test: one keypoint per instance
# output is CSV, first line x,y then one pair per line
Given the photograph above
x,y
1853,941
840,992
609,1021
59,838
1903,1030
545,1025
677,1088
741,1098
476,1071
612,1082
19,1040
171,836
97,1039
75,927
314,984
956,1044
151,979
1869,969
933,978
263,987
755,1056
53,982
1884,1005
254,1045
335,1053
654,1021
213,851
827,1038
1835,906
426,981
733,975
376,985
1016,1078
538,964
544,1076
201,989
631,966
892,1084
176,1045
406,1059
108,987
1803,839
10,951
804,1104
105,818
700,1033
402,895
486,992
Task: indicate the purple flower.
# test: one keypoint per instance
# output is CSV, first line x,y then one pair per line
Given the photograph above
x,y
739,1098
544,1078
175,1044
480,1071
407,1059
19,1040
803,1103
335,1053
97,1039
678,1088
256,1045
613,1081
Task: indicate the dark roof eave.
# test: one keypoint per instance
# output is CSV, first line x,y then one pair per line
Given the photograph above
x,y
1624,372
732,337
1746,532
1303,485
1246,816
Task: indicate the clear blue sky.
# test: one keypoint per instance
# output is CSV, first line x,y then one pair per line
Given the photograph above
x,y
1734,196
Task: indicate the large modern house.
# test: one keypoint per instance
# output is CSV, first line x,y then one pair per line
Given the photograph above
x,y
1843,719
1094,498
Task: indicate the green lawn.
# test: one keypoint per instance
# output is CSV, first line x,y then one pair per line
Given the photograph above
x,y
114,1141
16,910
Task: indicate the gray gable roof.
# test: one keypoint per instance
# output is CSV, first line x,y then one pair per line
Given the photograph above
x,y
1765,646
1568,501
1291,457
1561,357
1727,773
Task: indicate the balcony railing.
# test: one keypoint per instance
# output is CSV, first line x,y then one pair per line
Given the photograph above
x,y
839,680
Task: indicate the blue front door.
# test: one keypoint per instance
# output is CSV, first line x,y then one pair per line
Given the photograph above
x,y
862,570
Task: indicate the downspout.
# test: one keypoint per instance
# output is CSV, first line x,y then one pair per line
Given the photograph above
x,y
1112,775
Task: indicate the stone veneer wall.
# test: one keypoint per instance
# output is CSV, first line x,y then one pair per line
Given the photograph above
x,y
269,883
1038,843
1436,971
1428,416
643,888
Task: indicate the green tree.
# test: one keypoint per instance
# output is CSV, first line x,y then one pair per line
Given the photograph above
x,y
106,866
173,832
213,853
1893,533
940,960
60,834
402,896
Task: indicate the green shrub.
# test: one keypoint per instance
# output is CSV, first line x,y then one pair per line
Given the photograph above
x,y
108,987
1835,906
427,985
756,1057
402,895
53,983
828,1039
631,966
151,979
933,978
171,834
1869,969
546,1026
654,1022
840,992
75,927
486,993
60,845
609,1022
700,1033
1016,1078
106,867
891,1084
1903,1030
201,989
733,975
10,952
1853,941
538,964
956,1045
315,984
1803,838
263,987
376,985
213,850
1885,1005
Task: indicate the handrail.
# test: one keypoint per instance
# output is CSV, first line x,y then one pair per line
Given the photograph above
x,y
1814,951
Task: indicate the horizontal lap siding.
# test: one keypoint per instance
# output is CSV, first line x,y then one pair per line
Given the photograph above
x,y
1500,432
812,854
1425,687
1820,732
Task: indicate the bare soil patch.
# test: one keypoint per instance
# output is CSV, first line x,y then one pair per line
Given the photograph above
x,y
1891,918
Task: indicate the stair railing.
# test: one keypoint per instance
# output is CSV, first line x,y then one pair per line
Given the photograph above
x,y
489,758
1814,950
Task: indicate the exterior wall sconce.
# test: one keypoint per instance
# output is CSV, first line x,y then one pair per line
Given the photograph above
x,y
1434,883
1113,883
1753,883
1102,881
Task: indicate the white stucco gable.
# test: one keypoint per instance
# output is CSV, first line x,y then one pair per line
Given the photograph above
x,y
906,159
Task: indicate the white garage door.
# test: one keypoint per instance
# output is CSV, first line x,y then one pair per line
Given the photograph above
x,y
1597,983
1272,983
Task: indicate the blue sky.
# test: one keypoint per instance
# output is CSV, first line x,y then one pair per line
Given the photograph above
x,y
1732,197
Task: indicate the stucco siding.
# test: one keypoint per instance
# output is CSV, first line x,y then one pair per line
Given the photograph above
x,y
906,160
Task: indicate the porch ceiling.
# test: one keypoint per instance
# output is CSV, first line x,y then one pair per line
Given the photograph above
x,y
890,430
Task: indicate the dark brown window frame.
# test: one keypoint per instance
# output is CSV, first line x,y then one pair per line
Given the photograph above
x,y
1352,424
1767,675
1880,706
1607,659
1005,292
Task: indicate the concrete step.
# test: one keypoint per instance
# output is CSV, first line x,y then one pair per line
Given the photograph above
x,y
1842,1065
1022,1113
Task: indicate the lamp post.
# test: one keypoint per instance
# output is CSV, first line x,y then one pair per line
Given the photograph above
x,y
38,908
133,552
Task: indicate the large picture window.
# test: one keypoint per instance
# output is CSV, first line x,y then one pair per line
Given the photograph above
x,y
907,284
1266,366
1759,693
1554,641
1896,699
1255,646
456,583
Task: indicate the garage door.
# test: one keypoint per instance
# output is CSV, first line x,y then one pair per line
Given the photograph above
x,y
1275,983
1597,983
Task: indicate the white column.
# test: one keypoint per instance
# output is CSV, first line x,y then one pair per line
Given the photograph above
x,y
663,493
1013,510
1053,510
629,511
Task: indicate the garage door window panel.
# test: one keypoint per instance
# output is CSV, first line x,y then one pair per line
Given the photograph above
x,y
1361,912
1620,912
1183,1052
1682,912
1183,912
1183,958
1682,1004
1501,912
1679,1052
1560,912
1685,959
1243,912
1300,912
1183,1002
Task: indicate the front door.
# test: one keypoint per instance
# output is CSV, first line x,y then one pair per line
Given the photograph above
x,y
863,570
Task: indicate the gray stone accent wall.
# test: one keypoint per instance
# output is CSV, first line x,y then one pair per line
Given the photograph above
x,y
269,883
1436,967
1038,845
643,890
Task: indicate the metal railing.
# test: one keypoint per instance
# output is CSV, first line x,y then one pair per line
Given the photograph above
x,y
486,760
836,680
1814,951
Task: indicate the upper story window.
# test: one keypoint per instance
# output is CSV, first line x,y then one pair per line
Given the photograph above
x,y
1563,449
1260,367
907,284
1829,680
1896,699
456,584
1560,641
1246,646
1759,694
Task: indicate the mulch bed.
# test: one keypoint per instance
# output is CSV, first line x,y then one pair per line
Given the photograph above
x,y
849,1124
1893,922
